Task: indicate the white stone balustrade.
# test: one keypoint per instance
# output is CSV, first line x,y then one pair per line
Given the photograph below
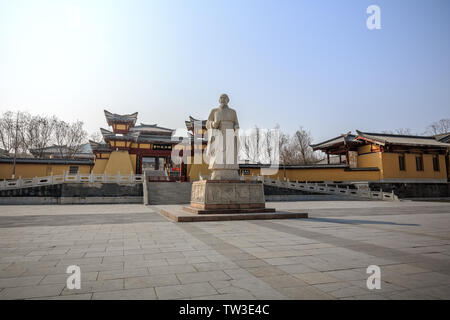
x,y
70,178
334,189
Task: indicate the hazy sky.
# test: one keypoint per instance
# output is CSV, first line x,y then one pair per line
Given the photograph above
x,y
292,63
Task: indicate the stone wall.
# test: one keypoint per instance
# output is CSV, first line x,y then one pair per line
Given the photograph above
x,y
414,190
167,192
72,193
276,190
101,190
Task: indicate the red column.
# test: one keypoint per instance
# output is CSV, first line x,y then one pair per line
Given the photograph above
x,y
182,166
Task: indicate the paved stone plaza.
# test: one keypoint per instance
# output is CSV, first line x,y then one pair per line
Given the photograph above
x,y
131,252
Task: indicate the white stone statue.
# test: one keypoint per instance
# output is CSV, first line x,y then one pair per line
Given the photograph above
x,y
222,149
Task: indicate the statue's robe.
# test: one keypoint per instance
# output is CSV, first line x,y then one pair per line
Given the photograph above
x,y
219,155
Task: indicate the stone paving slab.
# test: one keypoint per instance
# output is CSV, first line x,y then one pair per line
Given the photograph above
x,y
132,252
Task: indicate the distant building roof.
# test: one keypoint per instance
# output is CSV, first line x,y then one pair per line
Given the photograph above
x,y
190,123
120,118
98,147
346,138
395,139
84,151
443,137
4,153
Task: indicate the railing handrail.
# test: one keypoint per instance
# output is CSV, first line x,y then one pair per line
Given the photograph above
x,y
324,188
69,178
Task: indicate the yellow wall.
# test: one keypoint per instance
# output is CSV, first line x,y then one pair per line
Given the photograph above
x,y
31,170
370,160
391,168
320,174
119,162
133,162
365,148
99,166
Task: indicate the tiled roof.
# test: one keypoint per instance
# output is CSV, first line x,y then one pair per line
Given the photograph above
x,y
83,148
120,118
95,146
343,138
443,137
156,138
190,123
139,136
395,139
152,128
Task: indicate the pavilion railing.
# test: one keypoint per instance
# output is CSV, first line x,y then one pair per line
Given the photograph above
x,y
70,178
324,188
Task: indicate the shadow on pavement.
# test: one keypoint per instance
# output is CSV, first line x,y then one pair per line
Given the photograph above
x,y
353,221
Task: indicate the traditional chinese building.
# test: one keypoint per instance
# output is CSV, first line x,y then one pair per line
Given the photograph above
x,y
128,148
131,148
400,158
372,157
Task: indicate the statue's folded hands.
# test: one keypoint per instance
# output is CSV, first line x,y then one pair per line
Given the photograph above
x,y
215,124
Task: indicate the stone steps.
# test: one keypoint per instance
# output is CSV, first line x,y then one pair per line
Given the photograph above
x,y
178,214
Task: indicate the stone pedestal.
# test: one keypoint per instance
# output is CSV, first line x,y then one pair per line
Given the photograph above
x,y
227,196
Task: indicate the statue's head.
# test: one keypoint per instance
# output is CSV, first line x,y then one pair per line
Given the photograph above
x,y
223,100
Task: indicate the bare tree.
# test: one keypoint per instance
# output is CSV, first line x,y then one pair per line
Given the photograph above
x,y
301,143
37,133
250,144
21,132
400,131
271,145
96,137
11,129
7,131
285,147
69,138
438,127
